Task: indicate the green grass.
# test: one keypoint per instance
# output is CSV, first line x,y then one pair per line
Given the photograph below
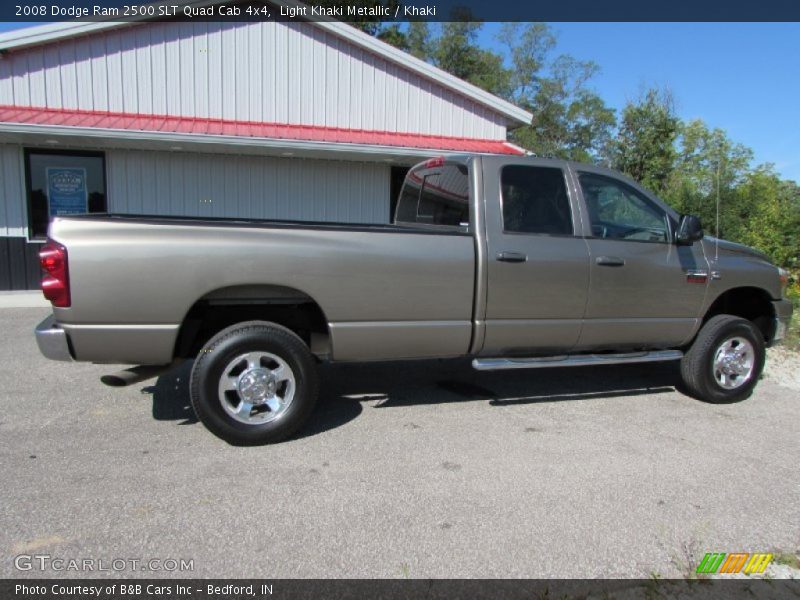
x,y
792,341
787,558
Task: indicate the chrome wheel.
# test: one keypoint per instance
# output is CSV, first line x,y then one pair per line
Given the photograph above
x,y
733,363
256,388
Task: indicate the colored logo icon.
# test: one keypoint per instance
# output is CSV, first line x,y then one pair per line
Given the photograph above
x,y
736,562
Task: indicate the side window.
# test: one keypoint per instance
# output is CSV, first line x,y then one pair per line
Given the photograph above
x,y
618,211
435,197
535,200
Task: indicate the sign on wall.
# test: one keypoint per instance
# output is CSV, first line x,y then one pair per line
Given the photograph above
x,y
66,191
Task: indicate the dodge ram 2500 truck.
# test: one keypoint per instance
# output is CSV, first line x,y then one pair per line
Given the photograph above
x,y
515,262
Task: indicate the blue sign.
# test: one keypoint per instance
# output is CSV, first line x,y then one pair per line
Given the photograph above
x,y
66,191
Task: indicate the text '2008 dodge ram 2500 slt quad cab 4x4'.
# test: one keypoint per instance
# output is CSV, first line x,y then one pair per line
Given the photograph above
x,y
515,262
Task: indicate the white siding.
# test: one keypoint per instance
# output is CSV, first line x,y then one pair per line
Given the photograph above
x,y
178,183
272,72
12,192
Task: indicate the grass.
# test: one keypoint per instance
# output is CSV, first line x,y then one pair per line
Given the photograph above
x,y
787,558
792,341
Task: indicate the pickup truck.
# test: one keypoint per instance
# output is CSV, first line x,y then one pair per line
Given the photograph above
x,y
515,262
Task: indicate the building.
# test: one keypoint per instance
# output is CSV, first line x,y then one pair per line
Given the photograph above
x,y
301,120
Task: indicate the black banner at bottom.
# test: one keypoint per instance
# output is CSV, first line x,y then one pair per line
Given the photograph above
x,y
393,589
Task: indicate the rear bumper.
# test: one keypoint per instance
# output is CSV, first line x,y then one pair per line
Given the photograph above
x,y
783,314
52,340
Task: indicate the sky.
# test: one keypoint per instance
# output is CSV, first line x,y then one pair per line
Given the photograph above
x,y
741,77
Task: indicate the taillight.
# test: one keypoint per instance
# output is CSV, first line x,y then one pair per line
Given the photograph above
x,y
55,283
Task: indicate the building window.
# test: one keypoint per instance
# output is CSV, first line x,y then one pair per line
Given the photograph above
x,y
63,183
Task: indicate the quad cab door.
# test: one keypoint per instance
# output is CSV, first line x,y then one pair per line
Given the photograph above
x,y
536,260
645,290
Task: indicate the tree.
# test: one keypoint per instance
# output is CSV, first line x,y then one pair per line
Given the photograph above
x,y
419,40
569,120
769,215
708,168
644,147
456,51
393,35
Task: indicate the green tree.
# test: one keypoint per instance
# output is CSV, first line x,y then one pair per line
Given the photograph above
x,y
419,40
456,51
569,120
644,147
769,213
393,35
709,167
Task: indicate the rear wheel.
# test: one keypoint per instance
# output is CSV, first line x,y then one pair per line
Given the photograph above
x,y
725,360
254,383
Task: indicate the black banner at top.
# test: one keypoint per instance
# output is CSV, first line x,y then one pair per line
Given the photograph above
x,y
401,10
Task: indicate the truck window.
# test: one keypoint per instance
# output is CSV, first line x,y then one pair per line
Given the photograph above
x,y
437,196
618,211
535,200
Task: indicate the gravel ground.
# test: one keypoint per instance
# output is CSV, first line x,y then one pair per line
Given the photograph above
x,y
406,470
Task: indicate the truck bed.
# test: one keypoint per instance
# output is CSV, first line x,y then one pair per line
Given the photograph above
x,y
413,295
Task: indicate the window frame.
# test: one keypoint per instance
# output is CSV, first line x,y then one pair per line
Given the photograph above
x,y
573,224
668,218
27,151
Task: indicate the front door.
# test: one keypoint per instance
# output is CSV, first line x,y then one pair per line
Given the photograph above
x,y
645,290
538,268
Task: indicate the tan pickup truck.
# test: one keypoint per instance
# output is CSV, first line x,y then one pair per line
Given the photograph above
x,y
515,262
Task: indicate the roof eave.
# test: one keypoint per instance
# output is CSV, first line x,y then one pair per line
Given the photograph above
x,y
282,146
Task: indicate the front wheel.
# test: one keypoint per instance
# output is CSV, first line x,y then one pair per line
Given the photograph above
x,y
725,361
254,383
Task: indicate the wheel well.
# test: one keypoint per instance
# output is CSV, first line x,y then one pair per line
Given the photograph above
x,y
227,306
753,304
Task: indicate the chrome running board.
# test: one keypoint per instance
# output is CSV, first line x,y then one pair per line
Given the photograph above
x,y
573,360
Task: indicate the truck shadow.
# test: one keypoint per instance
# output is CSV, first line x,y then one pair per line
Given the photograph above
x,y
346,387
170,395
410,383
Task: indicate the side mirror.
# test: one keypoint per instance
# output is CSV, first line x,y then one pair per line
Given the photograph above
x,y
689,231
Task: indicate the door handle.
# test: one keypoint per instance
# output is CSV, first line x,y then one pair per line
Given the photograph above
x,y
610,261
512,257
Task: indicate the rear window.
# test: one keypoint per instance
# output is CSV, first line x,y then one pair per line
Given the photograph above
x,y
535,200
438,197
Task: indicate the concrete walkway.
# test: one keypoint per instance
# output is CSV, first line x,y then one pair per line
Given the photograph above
x,y
23,299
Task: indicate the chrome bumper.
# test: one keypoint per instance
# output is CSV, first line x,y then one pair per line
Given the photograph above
x,y
783,315
52,340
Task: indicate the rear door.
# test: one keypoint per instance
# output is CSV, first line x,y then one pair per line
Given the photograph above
x,y
537,261
645,290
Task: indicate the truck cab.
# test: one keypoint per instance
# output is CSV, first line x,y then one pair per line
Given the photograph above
x,y
577,258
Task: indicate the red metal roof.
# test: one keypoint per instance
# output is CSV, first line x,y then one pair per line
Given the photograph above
x,y
30,115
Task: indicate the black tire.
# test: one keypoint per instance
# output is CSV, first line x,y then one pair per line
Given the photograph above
x,y
225,347
697,365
